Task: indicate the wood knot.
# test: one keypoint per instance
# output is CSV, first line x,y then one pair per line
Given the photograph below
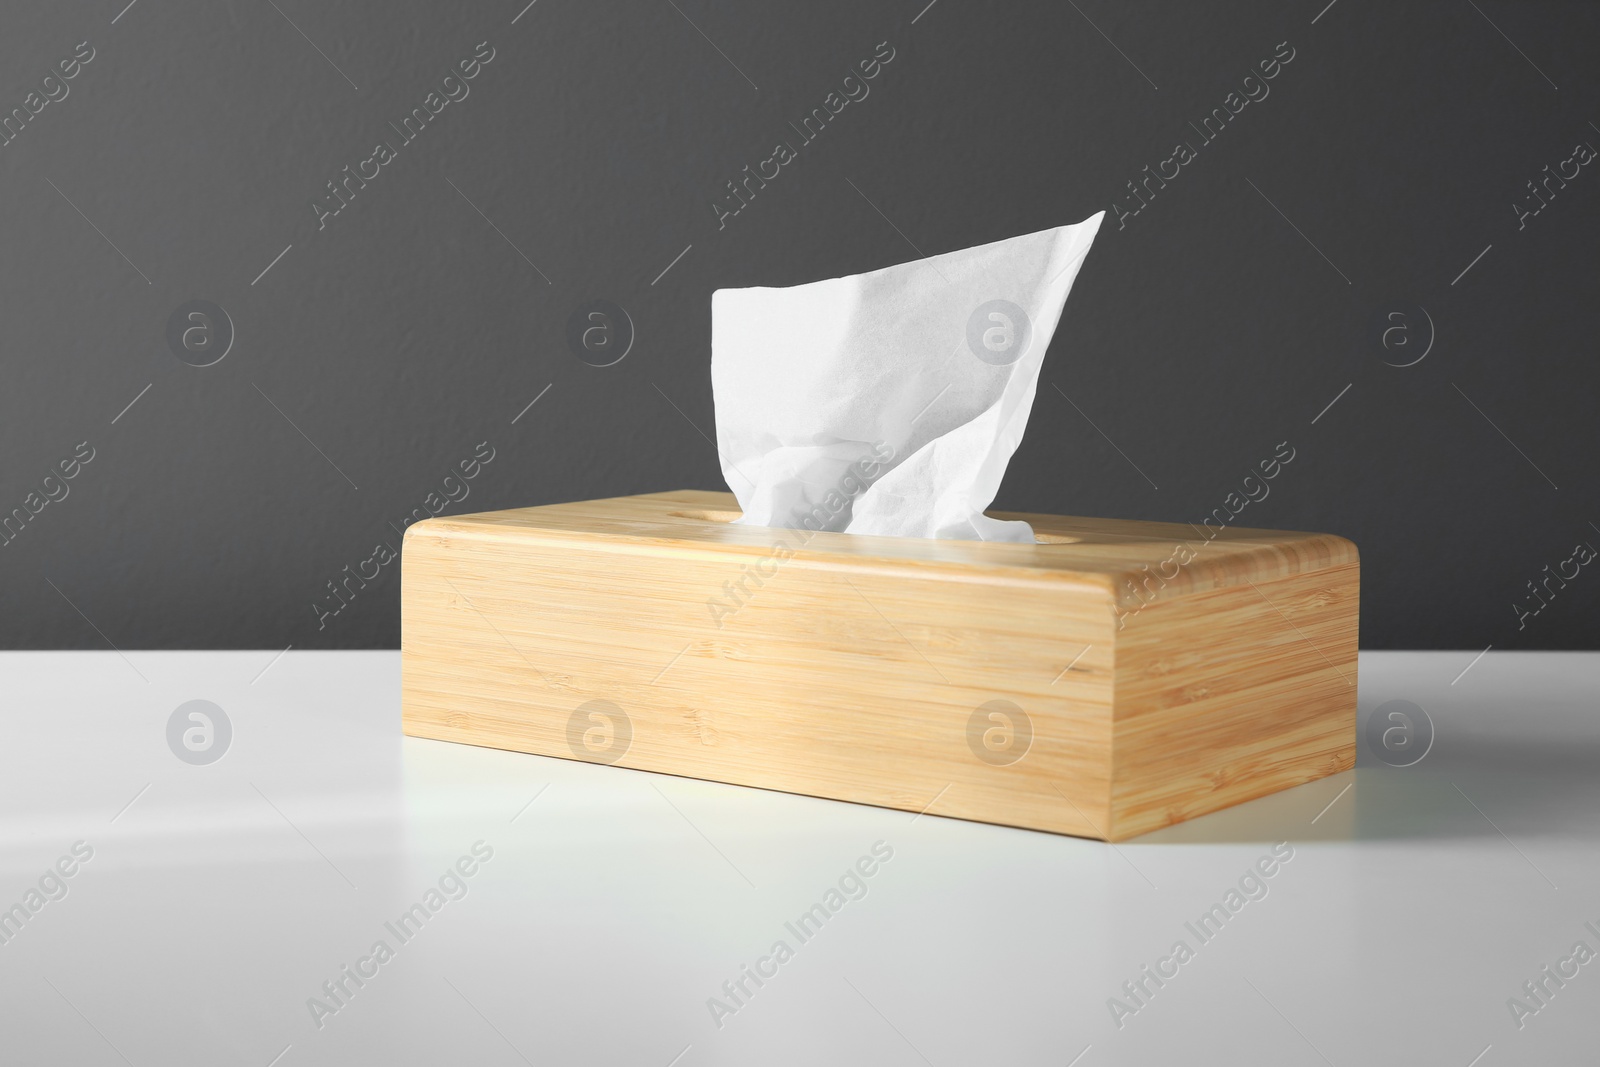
x,y
702,727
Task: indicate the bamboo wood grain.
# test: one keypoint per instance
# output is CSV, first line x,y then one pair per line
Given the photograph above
x,y
854,667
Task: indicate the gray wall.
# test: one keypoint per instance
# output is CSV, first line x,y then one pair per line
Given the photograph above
x,y
390,340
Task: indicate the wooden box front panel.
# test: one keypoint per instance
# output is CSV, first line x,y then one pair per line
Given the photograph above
x,y
833,674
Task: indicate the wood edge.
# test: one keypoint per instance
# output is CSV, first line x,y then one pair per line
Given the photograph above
x,y
1337,761
1294,553
439,529
420,729
727,501
1305,553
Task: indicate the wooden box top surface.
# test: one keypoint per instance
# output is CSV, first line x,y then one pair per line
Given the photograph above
x,y
1102,553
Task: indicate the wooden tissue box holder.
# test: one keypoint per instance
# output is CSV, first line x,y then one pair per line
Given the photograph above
x,y
1113,679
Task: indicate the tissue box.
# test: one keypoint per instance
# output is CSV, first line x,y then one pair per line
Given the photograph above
x,y
1115,678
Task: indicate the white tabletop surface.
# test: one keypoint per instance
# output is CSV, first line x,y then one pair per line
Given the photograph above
x,y
220,897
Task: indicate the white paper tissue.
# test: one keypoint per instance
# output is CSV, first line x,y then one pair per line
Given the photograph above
x,y
889,402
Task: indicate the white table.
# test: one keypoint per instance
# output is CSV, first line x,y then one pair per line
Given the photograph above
x,y
220,897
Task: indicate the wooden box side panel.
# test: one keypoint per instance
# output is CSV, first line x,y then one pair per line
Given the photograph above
x,y
1229,695
851,682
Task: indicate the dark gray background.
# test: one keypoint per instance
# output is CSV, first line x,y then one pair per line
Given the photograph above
x,y
1199,336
